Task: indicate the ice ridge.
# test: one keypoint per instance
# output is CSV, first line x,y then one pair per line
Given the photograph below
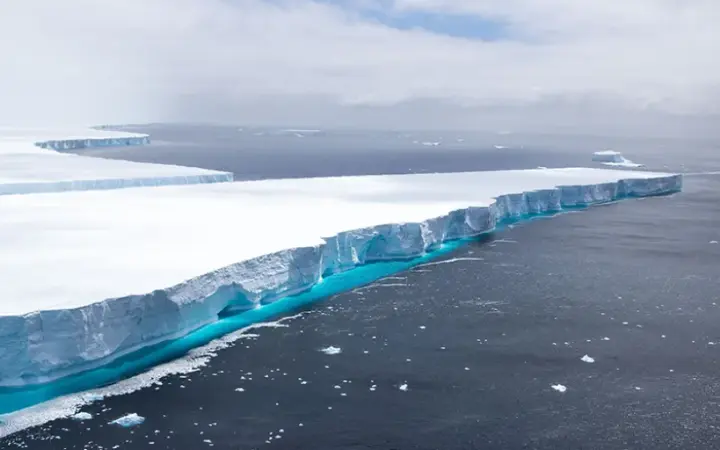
x,y
46,345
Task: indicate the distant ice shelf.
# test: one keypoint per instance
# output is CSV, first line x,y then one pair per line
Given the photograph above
x,y
88,276
31,161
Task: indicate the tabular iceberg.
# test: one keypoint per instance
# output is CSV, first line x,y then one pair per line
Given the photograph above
x,y
89,276
613,158
31,162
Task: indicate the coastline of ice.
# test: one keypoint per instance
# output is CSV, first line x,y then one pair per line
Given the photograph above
x,y
56,340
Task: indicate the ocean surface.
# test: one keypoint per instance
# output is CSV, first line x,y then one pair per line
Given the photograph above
x,y
617,306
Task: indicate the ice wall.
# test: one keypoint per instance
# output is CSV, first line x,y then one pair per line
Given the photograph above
x,y
43,345
75,144
112,183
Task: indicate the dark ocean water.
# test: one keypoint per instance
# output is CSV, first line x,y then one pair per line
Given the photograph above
x,y
461,352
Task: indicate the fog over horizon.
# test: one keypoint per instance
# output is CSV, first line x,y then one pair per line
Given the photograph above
x,y
641,68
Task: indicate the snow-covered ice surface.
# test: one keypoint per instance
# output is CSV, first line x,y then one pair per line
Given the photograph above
x,y
88,276
32,161
613,158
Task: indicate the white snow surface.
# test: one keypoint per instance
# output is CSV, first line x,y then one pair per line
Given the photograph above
x,y
88,276
32,161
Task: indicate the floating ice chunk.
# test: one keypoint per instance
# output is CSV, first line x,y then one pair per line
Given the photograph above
x,y
713,242
128,421
559,387
331,350
613,158
403,387
239,390
81,416
587,359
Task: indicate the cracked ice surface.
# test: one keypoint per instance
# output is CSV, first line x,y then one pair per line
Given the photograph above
x,y
31,161
85,276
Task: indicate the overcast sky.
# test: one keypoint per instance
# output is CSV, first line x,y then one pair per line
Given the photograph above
x,y
640,66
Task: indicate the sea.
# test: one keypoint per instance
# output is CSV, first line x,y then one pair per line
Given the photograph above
x,y
596,329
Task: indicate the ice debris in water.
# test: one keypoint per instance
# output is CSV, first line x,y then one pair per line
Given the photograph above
x,y
559,387
588,359
81,416
130,420
403,387
331,350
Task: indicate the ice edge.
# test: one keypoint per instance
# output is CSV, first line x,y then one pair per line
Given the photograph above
x,y
95,334
110,141
120,140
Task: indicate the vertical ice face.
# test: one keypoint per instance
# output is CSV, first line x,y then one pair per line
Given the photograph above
x,y
41,345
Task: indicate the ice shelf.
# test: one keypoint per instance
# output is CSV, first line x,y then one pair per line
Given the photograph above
x,y
88,276
31,161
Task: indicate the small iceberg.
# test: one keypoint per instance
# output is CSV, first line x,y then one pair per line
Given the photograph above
x,y
81,416
128,421
331,350
613,158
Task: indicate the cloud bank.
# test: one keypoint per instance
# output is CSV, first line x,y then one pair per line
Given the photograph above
x,y
552,64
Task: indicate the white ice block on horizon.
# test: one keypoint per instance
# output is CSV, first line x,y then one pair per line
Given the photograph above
x,y
613,158
86,276
26,167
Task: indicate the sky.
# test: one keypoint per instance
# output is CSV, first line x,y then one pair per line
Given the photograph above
x,y
637,67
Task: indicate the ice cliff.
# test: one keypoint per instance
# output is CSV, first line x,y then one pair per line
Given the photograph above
x,y
39,346
80,143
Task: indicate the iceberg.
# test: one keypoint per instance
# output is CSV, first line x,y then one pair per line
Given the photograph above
x,y
613,158
81,416
88,276
31,161
130,420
